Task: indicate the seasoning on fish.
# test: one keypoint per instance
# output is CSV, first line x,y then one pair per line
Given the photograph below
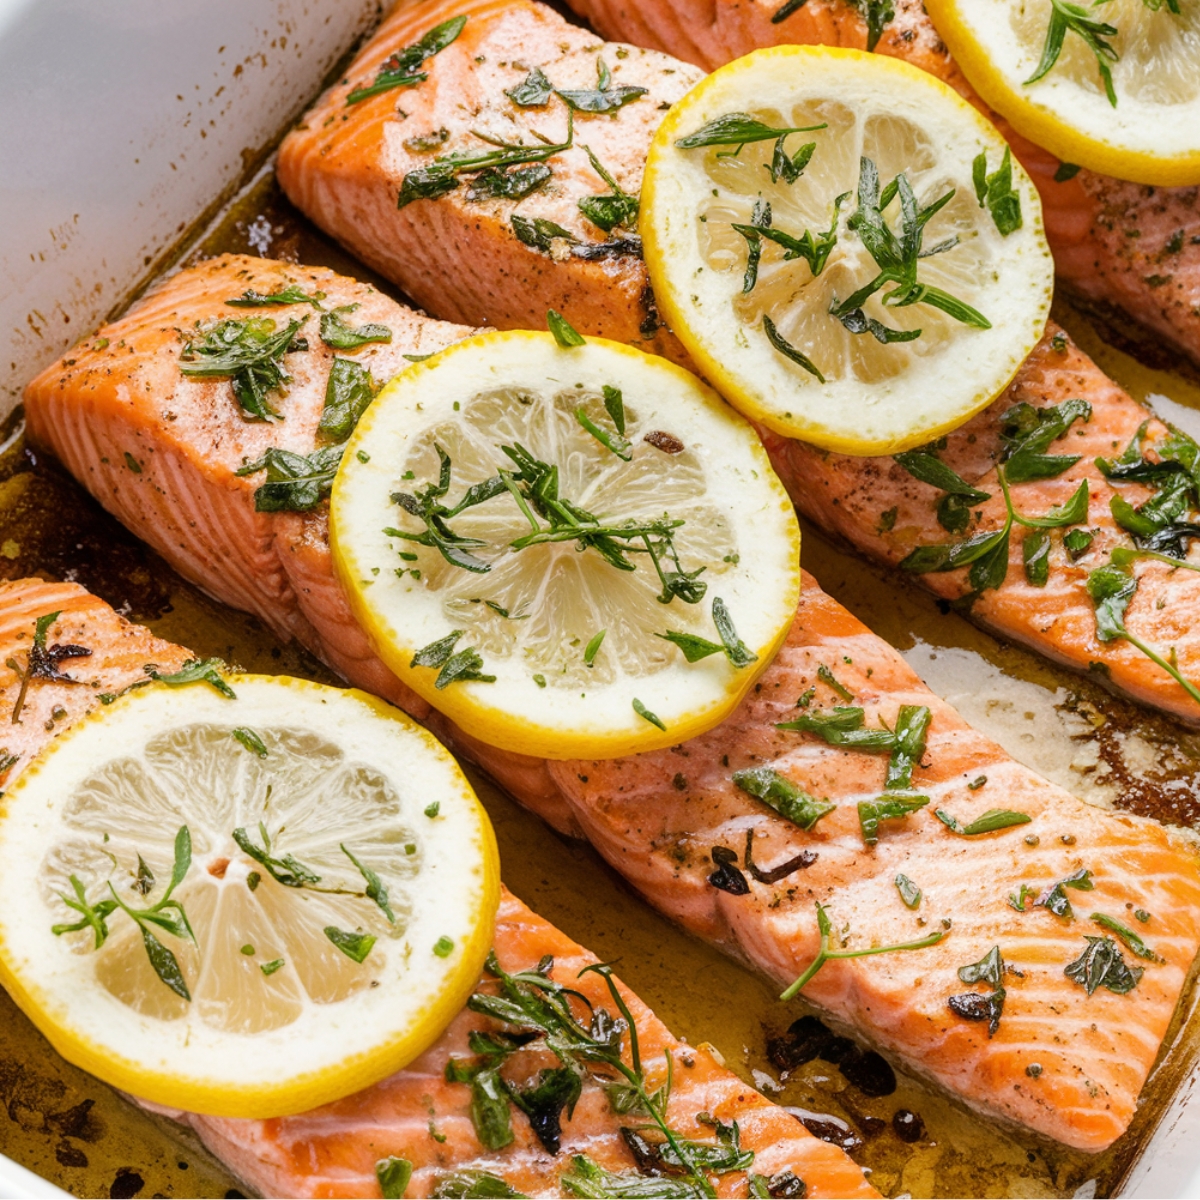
x,y
505,183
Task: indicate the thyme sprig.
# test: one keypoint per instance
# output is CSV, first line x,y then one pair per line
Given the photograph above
x,y
825,954
1112,588
250,353
535,1008
1065,18
166,913
604,97
442,177
1027,433
42,662
401,69
616,208
815,250
897,257
534,488
739,129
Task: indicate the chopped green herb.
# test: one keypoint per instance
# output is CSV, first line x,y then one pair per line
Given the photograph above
x,y
295,482
897,257
349,390
1131,939
877,14
976,1006
909,892
336,333
824,954
1066,172
474,1185
564,333
841,726
814,250
593,647
1035,552
195,670
513,184
271,967
166,913
953,511
886,808
1102,965
1141,914
287,870
887,520
250,353
1054,898
787,167
996,193
533,92
540,233
738,129
646,715
540,680
292,294
432,810
376,889
132,463
1078,542
251,741
991,821
442,176
353,945
788,350
977,783
393,1173
400,69
608,211
786,9
604,97
443,947
790,801
1065,18
247,949
1111,589
613,442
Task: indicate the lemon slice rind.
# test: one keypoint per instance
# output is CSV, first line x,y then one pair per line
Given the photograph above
x,y
554,706
1144,139
937,390
331,1049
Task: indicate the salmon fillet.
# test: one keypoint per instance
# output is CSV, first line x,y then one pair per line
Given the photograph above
x,y
415,1114
662,845
101,654
1116,244
459,255
161,450
883,510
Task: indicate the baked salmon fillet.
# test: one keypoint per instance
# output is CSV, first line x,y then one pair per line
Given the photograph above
x,y
1117,245
88,654
1086,1082
162,449
1140,478
446,185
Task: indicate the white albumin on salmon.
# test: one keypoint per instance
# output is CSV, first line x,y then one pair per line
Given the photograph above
x,y
660,834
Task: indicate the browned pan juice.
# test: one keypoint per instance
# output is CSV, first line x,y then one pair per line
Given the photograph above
x,y
78,1133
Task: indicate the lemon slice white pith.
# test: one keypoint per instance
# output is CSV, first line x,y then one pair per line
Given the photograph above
x,y
572,640
1151,135
280,1014
876,398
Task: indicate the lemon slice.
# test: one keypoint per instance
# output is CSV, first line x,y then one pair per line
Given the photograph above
x,y
539,539
936,307
315,886
1143,55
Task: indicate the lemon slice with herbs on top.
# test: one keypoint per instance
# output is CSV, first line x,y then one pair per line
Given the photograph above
x,y
1113,86
247,904
845,247
572,550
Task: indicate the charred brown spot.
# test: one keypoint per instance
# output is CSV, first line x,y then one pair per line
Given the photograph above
x,y
666,442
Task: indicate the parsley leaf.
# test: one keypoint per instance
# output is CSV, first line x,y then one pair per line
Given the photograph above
x,y
533,92
295,482
1102,965
400,69
336,333
996,193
